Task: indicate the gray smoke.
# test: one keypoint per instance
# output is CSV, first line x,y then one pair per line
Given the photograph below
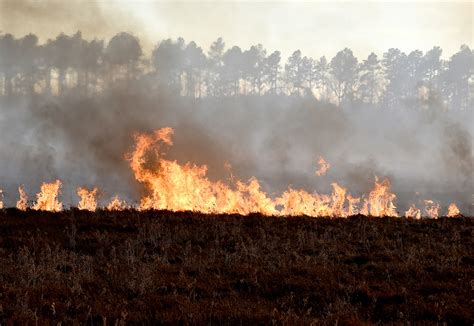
x,y
426,153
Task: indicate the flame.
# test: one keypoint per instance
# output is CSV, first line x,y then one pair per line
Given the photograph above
x,y
413,212
178,187
323,167
338,198
88,199
172,186
352,205
116,204
47,199
300,202
380,201
432,209
453,210
22,203
186,187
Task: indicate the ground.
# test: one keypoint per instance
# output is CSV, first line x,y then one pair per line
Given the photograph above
x,y
134,267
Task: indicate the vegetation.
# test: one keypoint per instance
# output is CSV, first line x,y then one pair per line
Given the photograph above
x,y
79,267
70,63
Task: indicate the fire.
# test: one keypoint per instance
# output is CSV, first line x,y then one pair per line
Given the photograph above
x,y
413,212
177,187
380,201
300,202
453,210
353,202
432,209
185,187
88,199
47,199
22,203
323,167
116,204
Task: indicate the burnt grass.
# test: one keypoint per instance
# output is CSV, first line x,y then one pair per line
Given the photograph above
x,y
134,267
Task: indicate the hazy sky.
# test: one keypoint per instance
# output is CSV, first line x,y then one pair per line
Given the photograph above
x,y
315,27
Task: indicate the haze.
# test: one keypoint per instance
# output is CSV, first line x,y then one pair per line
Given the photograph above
x,y
316,28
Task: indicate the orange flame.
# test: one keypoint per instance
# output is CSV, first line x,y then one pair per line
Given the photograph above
x,y
116,204
1,199
432,209
185,187
323,167
88,199
47,199
413,212
353,202
380,201
300,202
22,203
178,187
453,210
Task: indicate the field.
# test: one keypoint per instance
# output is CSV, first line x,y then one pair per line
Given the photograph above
x,y
128,267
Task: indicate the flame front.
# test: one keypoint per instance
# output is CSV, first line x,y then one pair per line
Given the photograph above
x,y
47,199
88,200
177,187
185,187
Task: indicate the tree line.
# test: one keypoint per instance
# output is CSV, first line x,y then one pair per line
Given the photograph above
x,y
70,63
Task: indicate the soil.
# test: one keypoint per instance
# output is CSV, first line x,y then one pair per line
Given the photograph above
x,y
159,267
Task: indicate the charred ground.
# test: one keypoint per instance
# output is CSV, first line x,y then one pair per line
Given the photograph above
x,y
162,267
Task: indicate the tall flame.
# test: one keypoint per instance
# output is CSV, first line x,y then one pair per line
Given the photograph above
x,y
380,201
47,199
185,187
88,200
22,203
1,199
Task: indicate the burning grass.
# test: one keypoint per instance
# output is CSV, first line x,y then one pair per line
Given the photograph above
x,y
161,267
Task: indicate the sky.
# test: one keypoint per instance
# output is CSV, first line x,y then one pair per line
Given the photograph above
x,y
315,27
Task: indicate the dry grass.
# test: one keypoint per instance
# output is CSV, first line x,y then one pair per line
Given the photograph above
x,y
160,267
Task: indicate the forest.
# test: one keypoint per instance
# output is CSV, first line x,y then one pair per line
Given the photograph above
x,y
72,64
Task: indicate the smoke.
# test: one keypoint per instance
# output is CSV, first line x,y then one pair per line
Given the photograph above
x,y
83,142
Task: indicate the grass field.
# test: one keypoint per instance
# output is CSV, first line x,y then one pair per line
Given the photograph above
x,y
114,268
